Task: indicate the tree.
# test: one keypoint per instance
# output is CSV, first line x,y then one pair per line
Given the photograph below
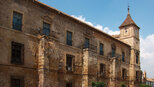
x,y
123,85
144,85
98,84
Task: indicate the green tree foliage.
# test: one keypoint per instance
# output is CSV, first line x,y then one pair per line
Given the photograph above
x,y
123,85
98,84
144,85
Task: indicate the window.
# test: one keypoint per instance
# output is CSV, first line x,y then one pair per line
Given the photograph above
x,y
101,49
17,21
124,73
68,84
17,82
69,38
126,30
123,56
113,51
137,75
17,53
46,29
86,43
102,69
137,58
69,64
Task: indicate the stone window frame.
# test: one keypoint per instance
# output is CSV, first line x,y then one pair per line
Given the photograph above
x,y
113,46
86,45
45,22
20,12
123,56
67,37
21,78
137,57
21,55
137,73
124,73
100,49
72,62
102,71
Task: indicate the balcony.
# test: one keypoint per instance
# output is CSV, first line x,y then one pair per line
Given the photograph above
x,y
89,47
110,55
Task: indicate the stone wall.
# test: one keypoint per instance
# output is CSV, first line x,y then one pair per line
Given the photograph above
x,y
45,63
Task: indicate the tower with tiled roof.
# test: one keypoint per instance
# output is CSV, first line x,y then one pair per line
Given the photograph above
x,y
129,33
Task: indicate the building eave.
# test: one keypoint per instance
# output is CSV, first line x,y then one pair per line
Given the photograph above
x,y
76,20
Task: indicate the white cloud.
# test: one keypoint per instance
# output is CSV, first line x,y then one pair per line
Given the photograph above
x,y
147,46
147,54
98,26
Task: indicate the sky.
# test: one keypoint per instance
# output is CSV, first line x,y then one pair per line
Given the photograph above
x,y
108,15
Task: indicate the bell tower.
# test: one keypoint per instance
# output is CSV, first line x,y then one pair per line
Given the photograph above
x,y
129,34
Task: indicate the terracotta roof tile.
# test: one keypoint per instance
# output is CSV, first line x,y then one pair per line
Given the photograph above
x,y
128,21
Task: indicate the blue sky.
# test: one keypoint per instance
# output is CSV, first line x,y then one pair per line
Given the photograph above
x,y
111,14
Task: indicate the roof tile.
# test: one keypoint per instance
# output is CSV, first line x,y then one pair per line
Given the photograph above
x,y
128,21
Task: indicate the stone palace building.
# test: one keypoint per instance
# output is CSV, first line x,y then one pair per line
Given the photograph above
x,y
41,46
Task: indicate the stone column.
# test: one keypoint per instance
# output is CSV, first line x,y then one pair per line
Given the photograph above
x,y
85,68
113,73
132,68
41,62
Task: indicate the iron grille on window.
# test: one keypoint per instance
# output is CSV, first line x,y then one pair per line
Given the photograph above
x,y
69,62
68,84
46,29
17,21
101,49
17,53
17,82
69,38
102,69
86,43
123,56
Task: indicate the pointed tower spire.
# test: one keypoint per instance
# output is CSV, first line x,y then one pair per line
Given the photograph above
x,y
128,20
128,8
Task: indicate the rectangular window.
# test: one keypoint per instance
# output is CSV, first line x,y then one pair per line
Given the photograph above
x,y
69,62
46,29
68,84
137,75
69,38
102,69
17,82
137,58
86,43
17,21
123,56
101,52
17,53
124,73
113,52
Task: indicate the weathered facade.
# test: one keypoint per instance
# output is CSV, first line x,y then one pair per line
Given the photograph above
x,y
43,47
